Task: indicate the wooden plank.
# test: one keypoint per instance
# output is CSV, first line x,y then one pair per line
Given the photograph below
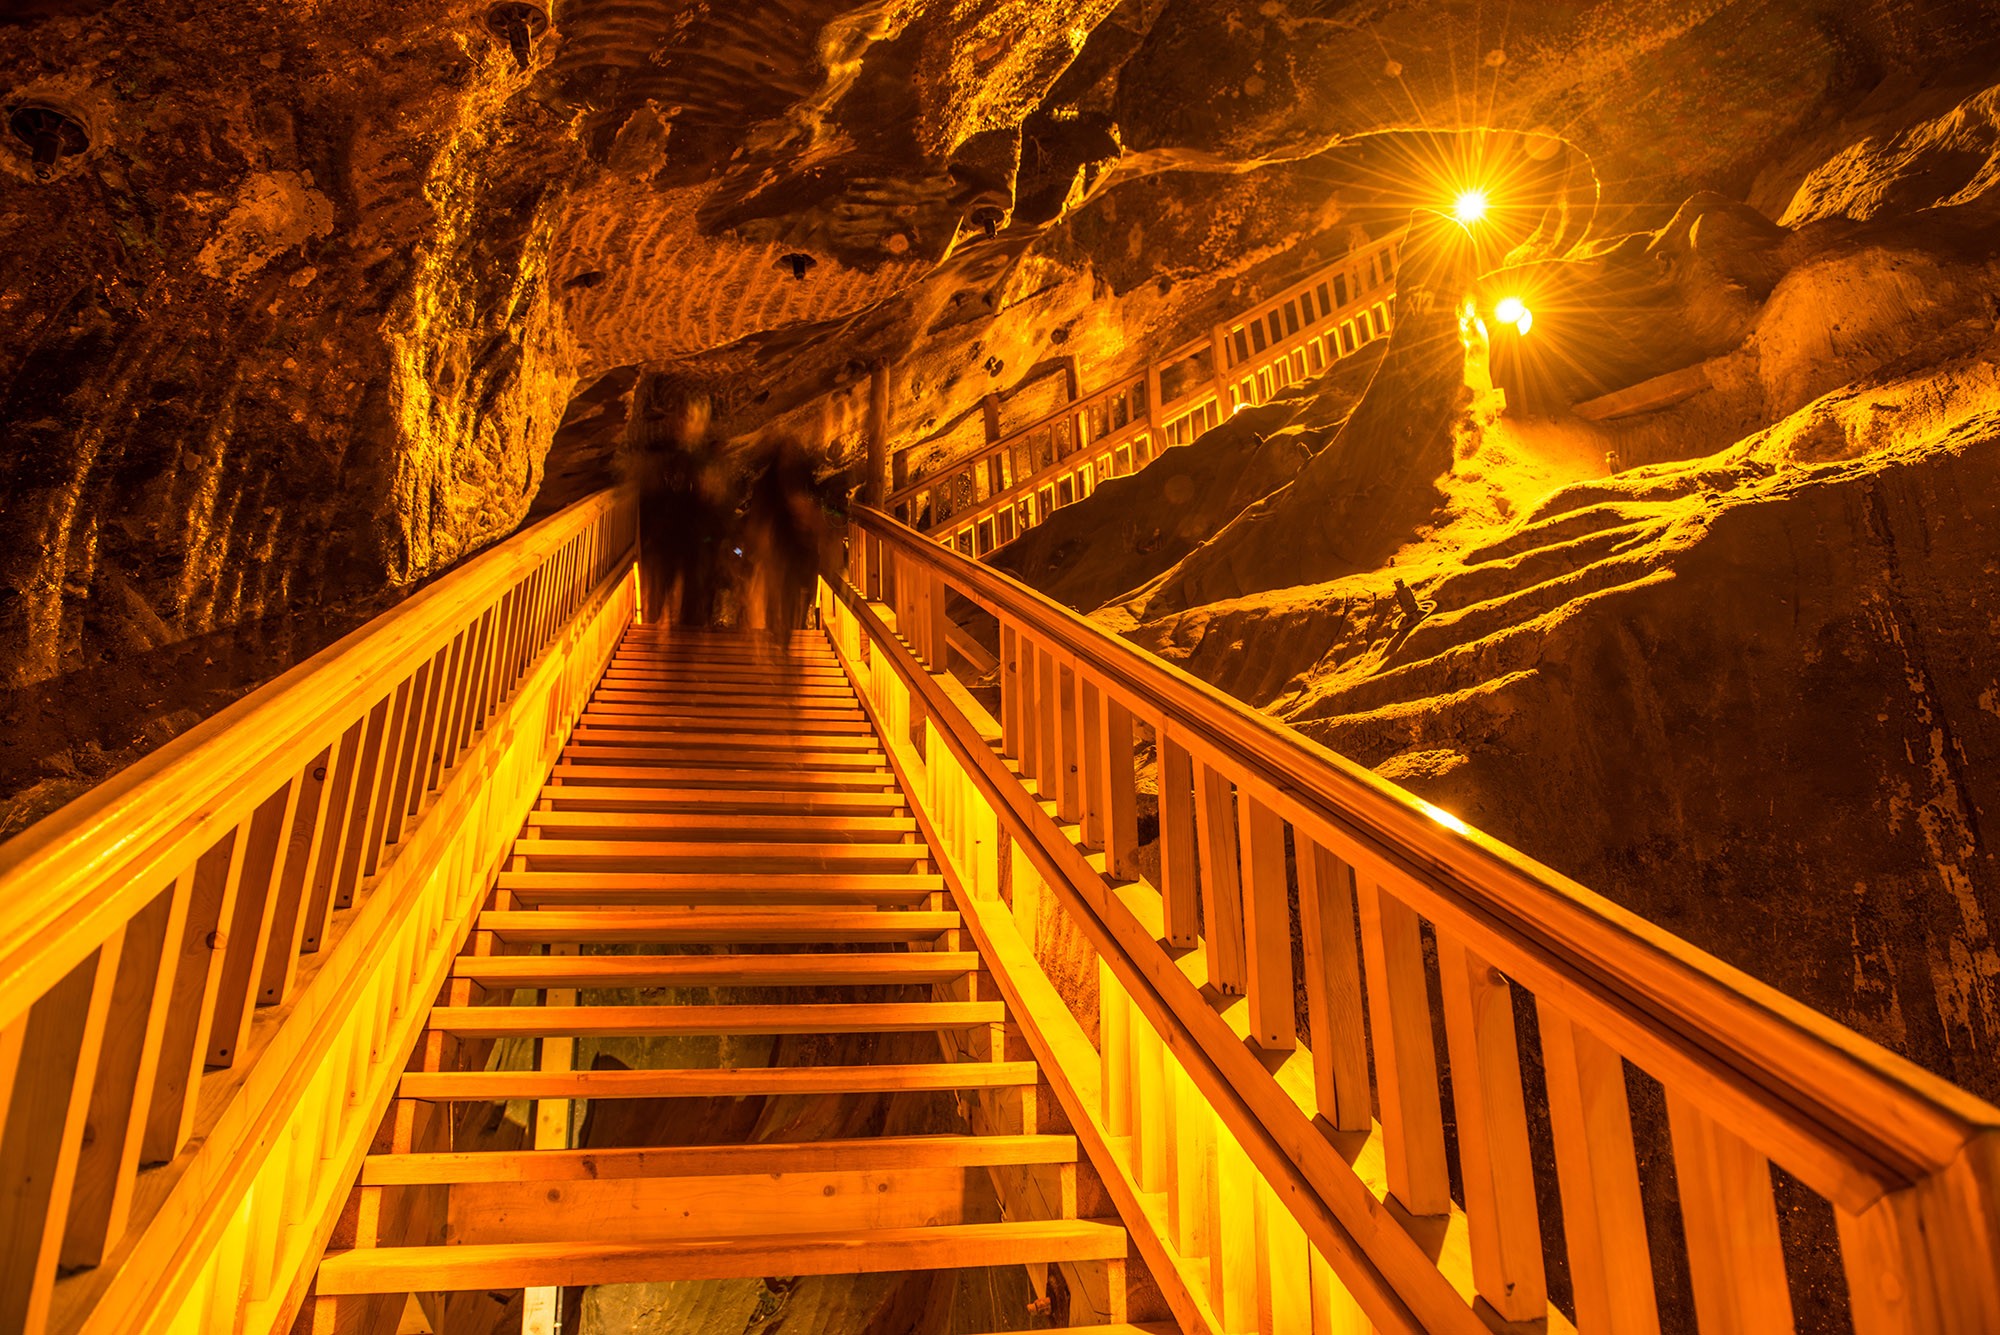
x,y
406,1269
1233,1182
1736,1261
772,719
656,1021
42,1136
1069,747
330,840
382,792
1010,691
1267,927
1495,1161
1090,749
727,1083
1284,1268
1118,799
1047,723
250,927
1221,889
787,827
804,970
697,757
184,1042
304,838
725,742
593,797
571,770
642,855
108,1163
1604,1218
688,926
762,888
1333,986
586,1211
1178,891
361,790
750,1159
1399,1012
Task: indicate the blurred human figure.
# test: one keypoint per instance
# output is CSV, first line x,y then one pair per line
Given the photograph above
x,y
684,502
784,531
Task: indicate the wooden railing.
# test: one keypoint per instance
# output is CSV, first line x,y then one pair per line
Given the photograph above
x,y
212,966
1285,1188
1019,479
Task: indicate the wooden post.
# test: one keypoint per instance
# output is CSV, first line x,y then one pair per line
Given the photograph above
x,y
1405,1062
1177,841
1221,886
1333,986
1736,1261
1267,926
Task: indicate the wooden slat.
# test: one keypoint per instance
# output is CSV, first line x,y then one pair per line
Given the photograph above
x,y
1221,887
1333,987
184,1043
750,1159
1179,901
41,1134
249,928
690,740
806,970
572,770
306,836
408,1269
692,926
1736,1260
692,723
595,797
697,757
1399,1017
1118,799
725,1083
330,842
663,888
1604,1218
1267,927
657,1021
1495,1161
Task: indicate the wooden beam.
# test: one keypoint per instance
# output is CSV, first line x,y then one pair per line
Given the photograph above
x,y
801,970
728,1083
657,1021
715,926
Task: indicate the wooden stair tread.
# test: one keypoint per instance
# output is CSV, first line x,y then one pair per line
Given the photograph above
x,y
772,719
641,824
754,741
803,801
667,777
694,755
718,925
796,970
652,1021
853,1252
937,1151
642,855
659,889
724,1082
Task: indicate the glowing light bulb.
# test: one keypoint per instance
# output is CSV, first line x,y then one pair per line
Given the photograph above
x,y
1470,206
1514,311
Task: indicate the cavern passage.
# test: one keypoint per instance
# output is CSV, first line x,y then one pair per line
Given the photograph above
x,y
857,668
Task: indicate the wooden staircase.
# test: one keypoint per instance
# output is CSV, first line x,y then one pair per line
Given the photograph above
x,y
722,821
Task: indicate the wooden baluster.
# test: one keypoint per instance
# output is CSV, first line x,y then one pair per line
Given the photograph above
x,y
1920,1259
1178,889
1232,1290
439,744
1190,1133
197,976
1736,1261
1604,1219
1028,709
1334,1311
1090,775
1151,1165
403,794
1048,725
940,627
1069,744
1267,926
249,928
381,795
1405,1062
1221,890
1333,986
339,852
1010,691
1114,1050
108,1162
304,839
51,1057
1494,1160
1117,802
1284,1270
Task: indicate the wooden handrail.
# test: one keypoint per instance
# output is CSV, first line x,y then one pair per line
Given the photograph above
x,y
214,960
1900,1153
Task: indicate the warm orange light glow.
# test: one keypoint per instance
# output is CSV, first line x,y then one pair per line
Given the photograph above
x,y
1470,206
1514,311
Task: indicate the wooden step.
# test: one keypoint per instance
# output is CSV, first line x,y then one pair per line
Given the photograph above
x,y
607,855
743,801
556,1264
719,692
694,757
722,1083
764,889
699,727
695,926
733,740
659,825
791,970
908,1017
812,1156
668,777
733,674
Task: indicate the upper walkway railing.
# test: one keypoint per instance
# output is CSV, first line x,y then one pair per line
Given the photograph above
x,y
1017,480
1295,1159
212,966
